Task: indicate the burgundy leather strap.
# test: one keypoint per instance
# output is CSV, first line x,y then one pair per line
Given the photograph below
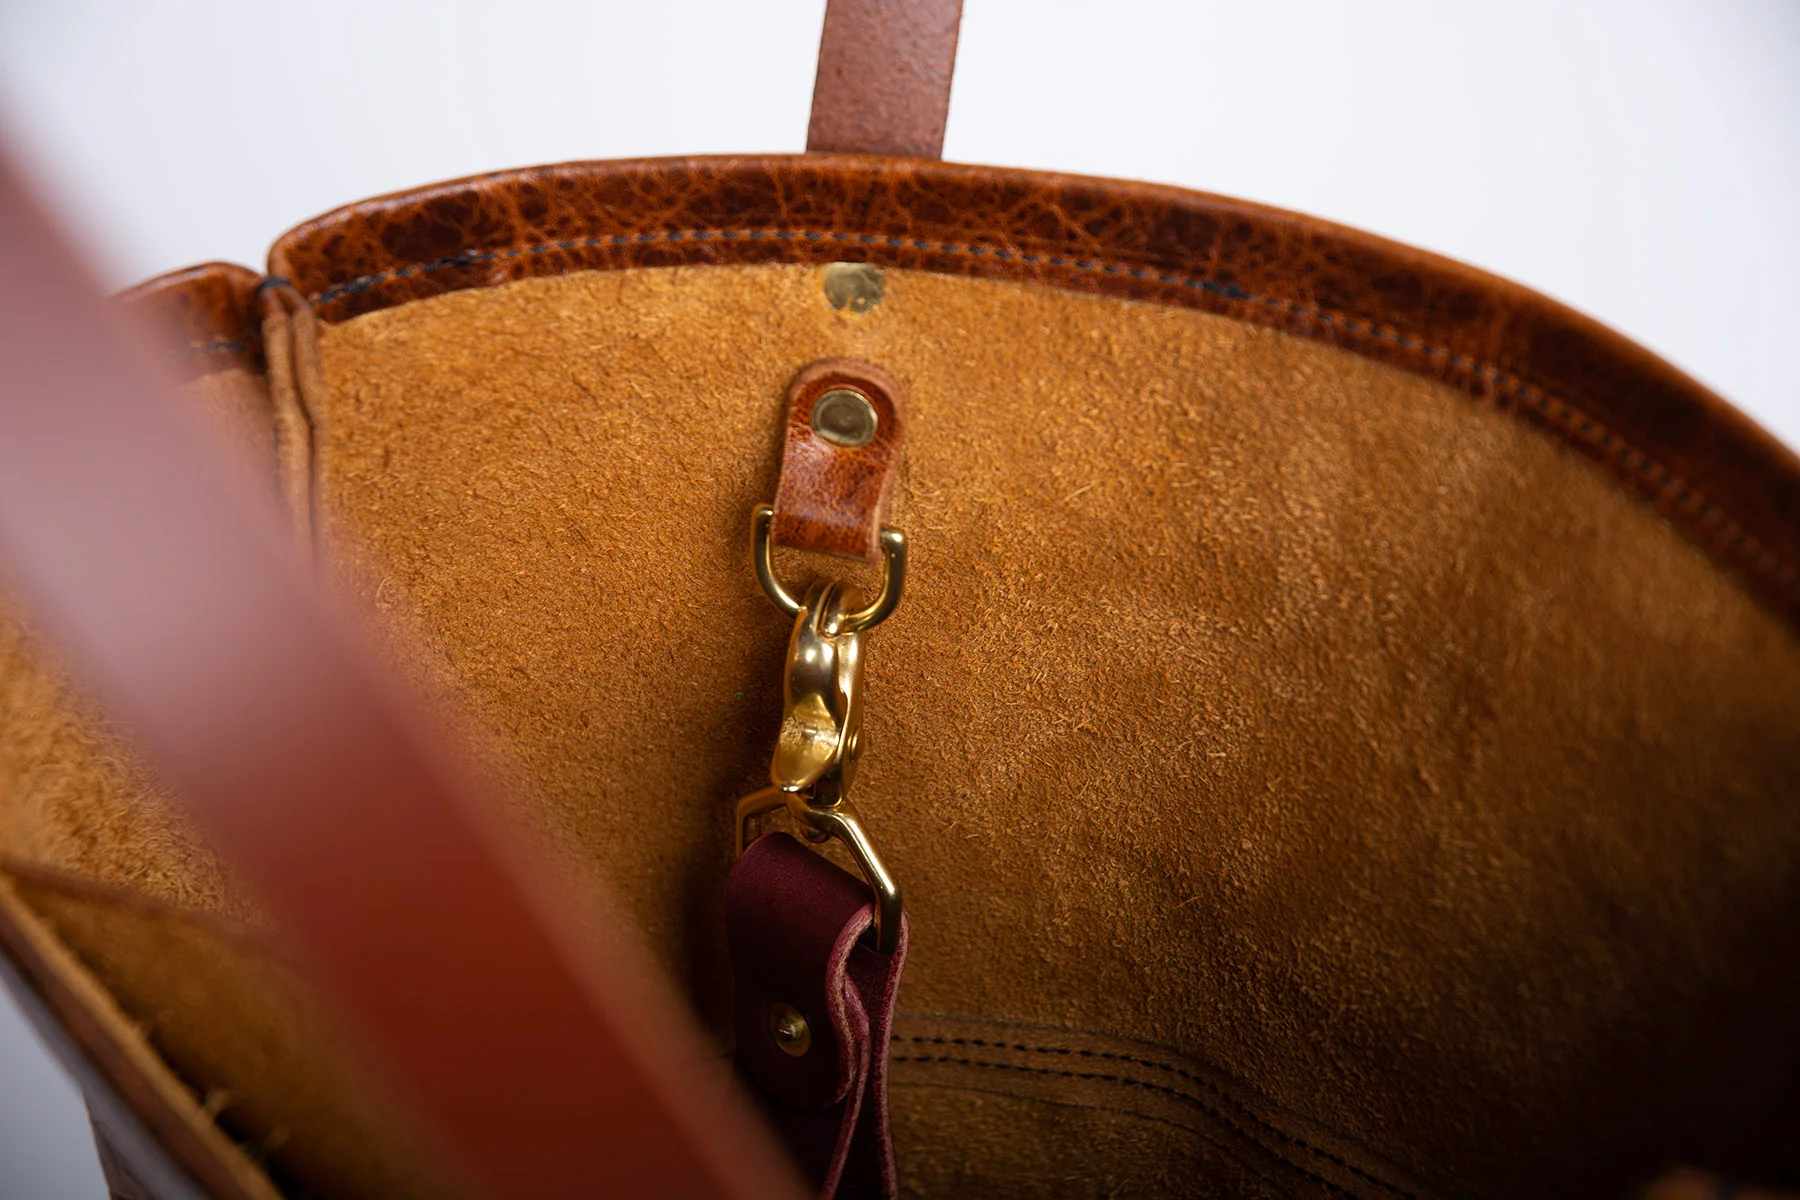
x,y
164,577
884,77
794,923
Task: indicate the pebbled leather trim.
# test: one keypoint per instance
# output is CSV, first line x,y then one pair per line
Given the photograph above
x,y
210,313
1729,486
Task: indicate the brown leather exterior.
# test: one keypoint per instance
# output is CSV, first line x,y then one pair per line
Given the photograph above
x,y
884,77
834,498
207,313
1726,483
168,584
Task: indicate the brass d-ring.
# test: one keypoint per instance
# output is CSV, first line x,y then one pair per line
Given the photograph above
x,y
893,574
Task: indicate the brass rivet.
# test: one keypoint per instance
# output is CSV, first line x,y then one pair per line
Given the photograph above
x,y
853,285
845,417
790,1030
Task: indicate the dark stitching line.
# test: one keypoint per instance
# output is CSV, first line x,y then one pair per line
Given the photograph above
x,y
1105,1077
1736,538
1171,1068
1233,1149
219,347
468,258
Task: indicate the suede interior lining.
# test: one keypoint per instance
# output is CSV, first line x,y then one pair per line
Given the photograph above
x,y
1251,699
229,1018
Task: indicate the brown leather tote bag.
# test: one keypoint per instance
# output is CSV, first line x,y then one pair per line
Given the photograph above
x,y
1310,718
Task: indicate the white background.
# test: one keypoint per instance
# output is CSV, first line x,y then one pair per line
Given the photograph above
x,y
1639,159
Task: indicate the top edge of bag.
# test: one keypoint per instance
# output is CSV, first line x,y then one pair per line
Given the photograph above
x,y
1726,482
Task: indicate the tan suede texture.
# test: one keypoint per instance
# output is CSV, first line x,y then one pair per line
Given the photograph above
x,y
1146,1120
1249,697
73,794
127,1033
1254,702
1011,1146
223,1013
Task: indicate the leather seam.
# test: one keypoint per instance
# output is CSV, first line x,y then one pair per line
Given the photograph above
x,y
1659,479
1235,1152
1041,1033
1126,1080
1172,1069
290,343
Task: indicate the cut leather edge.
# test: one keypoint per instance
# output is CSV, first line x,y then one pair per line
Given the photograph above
x,y
147,1113
1729,486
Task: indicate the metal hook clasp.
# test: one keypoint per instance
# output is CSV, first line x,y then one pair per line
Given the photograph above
x,y
822,822
817,748
893,573
821,696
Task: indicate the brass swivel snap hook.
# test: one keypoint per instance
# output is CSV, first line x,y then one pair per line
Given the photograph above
x,y
817,747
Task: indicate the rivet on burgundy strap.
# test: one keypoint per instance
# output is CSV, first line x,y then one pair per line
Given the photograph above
x,y
795,925
833,495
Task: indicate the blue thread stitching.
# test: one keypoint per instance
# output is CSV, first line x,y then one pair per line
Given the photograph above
x,y
468,258
1734,534
221,346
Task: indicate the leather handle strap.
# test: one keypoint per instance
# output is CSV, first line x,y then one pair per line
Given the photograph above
x,y
884,77
164,578
795,925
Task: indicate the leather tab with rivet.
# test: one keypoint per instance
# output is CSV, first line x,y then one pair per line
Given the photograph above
x,y
845,424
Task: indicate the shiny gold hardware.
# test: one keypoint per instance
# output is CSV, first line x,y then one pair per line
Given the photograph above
x,y
824,822
893,574
821,696
845,417
854,285
790,1030
820,740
